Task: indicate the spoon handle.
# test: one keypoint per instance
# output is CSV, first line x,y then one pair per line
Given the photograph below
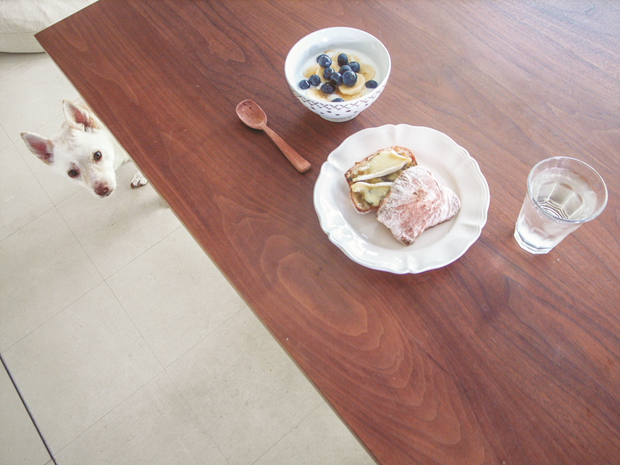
x,y
300,163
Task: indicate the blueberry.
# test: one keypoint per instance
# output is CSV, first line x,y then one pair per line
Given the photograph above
x,y
349,78
371,84
355,66
304,84
325,61
327,72
344,69
320,56
343,59
327,88
338,100
315,80
335,79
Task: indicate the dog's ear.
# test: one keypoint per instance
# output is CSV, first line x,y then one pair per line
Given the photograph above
x,y
77,117
40,146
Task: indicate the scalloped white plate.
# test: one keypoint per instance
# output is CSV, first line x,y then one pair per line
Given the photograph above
x,y
366,241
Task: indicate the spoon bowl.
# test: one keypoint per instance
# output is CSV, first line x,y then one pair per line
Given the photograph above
x,y
252,114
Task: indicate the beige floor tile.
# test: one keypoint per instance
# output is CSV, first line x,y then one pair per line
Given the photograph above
x,y
322,438
115,230
244,388
5,140
20,443
10,61
22,197
175,295
42,270
31,92
283,452
154,426
80,365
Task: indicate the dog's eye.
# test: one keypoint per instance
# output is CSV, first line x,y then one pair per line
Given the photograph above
x,y
97,156
73,173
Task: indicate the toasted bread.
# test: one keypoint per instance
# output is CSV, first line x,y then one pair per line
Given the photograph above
x,y
416,201
370,179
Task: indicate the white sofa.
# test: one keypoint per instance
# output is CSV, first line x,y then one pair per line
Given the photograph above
x,y
20,20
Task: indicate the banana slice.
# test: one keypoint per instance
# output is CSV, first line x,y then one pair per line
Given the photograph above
x,y
367,71
314,69
358,87
335,66
316,94
346,98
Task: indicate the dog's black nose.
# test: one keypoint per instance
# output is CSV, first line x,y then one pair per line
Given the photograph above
x,y
103,191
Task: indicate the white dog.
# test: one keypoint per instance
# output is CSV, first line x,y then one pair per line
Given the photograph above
x,y
83,150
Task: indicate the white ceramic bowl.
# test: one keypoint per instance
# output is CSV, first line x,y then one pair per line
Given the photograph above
x,y
337,38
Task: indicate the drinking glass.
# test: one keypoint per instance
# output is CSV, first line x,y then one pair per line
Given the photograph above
x,y
562,194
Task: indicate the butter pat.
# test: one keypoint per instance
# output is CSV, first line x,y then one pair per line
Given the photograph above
x,y
384,163
373,193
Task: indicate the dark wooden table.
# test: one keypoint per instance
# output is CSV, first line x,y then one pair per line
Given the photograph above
x,y
499,358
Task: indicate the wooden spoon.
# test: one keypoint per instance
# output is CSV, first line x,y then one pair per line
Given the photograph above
x,y
253,116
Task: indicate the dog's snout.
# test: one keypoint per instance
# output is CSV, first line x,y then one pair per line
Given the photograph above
x,y
103,190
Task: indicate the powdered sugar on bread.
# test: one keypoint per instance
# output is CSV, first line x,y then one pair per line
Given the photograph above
x,y
416,202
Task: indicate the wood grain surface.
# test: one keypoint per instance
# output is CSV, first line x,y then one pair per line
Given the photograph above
x,y
499,358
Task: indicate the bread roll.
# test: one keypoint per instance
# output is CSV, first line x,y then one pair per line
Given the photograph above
x,y
415,202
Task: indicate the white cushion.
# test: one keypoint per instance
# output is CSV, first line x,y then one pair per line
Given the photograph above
x,y
20,20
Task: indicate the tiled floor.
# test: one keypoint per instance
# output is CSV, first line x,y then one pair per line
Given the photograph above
x,y
124,340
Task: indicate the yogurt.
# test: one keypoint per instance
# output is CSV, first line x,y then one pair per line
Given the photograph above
x,y
368,70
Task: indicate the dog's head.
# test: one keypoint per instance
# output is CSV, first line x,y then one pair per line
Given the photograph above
x,y
82,151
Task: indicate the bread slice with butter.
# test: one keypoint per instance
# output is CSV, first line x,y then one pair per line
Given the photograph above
x,y
370,179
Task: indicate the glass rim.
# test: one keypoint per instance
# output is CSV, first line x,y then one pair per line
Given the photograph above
x,y
567,221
